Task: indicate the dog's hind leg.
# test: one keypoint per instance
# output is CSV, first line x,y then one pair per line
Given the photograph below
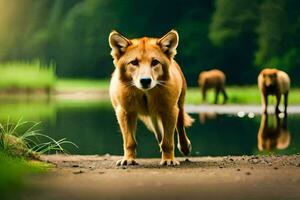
x,y
157,128
184,144
154,125
225,97
286,101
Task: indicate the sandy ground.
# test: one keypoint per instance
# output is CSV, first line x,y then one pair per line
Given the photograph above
x,y
97,177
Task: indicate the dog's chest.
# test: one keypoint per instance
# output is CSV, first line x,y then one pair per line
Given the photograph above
x,y
272,89
146,104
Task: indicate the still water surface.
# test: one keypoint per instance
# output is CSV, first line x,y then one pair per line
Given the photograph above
x,y
95,130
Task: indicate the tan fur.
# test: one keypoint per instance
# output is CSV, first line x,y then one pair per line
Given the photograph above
x,y
161,105
273,82
273,137
212,79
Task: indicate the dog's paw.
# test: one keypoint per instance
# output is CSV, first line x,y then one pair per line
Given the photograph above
x,y
169,162
125,162
185,149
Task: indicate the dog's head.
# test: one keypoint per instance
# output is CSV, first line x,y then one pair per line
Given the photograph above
x,y
269,77
143,62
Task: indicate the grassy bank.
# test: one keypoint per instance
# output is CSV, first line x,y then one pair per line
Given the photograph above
x,y
13,171
34,75
44,76
239,95
81,84
21,145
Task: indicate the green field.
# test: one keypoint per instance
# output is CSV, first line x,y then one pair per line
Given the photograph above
x,y
26,75
238,95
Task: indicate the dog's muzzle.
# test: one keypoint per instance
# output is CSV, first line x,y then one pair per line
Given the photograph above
x,y
145,82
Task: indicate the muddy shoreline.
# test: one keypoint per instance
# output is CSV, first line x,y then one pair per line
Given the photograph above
x,y
230,177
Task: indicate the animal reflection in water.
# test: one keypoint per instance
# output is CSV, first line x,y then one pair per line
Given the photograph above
x,y
203,116
273,133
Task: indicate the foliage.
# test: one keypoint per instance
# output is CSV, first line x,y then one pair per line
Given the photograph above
x,y
238,36
275,25
232,19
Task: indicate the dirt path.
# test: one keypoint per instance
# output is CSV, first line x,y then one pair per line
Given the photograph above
x,y
97,177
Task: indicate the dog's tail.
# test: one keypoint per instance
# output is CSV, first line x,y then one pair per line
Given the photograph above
x,y
188,120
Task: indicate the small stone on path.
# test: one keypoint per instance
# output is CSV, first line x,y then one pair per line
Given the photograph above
x,y
78,172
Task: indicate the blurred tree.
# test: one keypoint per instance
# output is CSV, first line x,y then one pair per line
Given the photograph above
x,y
232,19
84,40
12,26
273,25
232,30
278,36
272,31
235,36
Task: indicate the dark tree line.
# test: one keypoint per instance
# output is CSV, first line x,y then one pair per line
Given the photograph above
x,y
238,36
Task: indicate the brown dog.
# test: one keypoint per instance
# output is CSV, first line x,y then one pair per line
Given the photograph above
x,y
212,79
148,84
273,82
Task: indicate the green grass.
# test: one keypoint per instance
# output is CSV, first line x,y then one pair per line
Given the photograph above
x,y
19,142
238,95
82,84
13,171
24,139
26,75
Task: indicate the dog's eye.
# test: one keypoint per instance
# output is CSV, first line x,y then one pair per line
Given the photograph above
x,y
134,62
154,62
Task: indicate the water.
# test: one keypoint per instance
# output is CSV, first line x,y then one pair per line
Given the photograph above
x,y
93,127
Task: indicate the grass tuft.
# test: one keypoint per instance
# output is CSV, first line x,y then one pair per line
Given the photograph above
x,y
24,139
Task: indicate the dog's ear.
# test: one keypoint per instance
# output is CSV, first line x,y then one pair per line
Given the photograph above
x,y
118,44
168,43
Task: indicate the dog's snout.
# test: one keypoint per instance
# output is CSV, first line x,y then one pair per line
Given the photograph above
x,y
145,82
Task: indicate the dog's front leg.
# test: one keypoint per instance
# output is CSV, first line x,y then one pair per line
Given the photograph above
x,y
264,102
169,120
127,122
